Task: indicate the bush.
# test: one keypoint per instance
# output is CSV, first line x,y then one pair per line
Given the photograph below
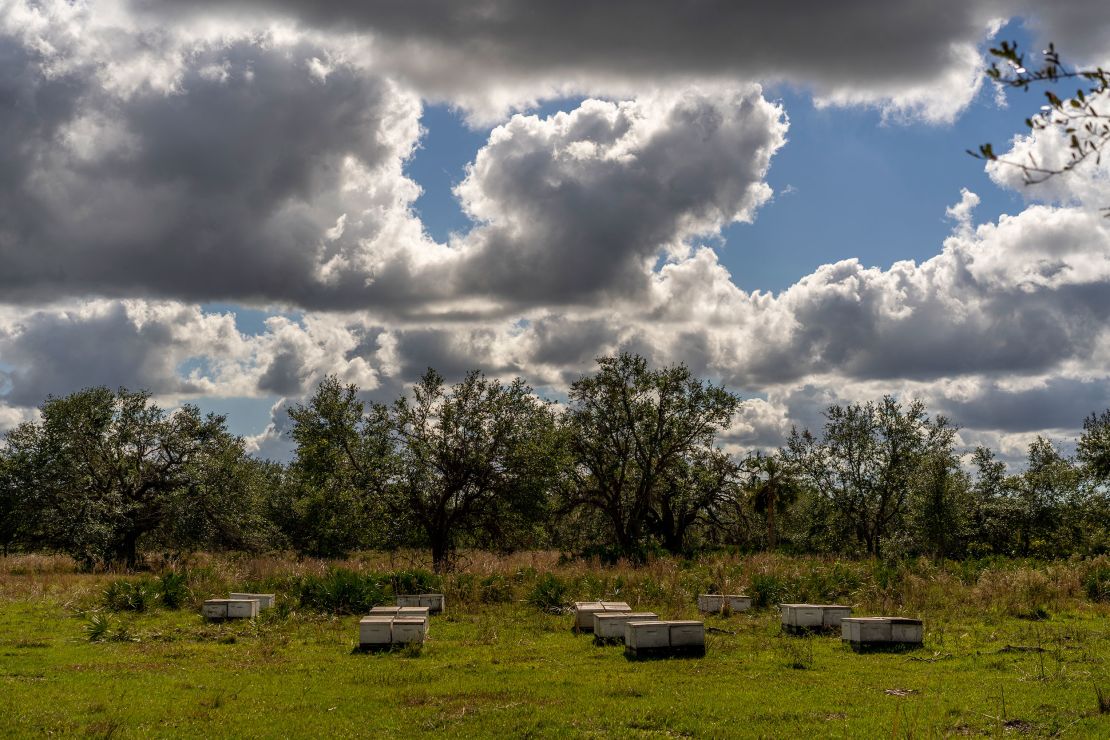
x,y
341,591
549,593
97,627
173,589
415,582
767,590
131,596
496,590
1097,582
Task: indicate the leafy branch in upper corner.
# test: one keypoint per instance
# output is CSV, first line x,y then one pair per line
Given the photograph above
x,y
1086,128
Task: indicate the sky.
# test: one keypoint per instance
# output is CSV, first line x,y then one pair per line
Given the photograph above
x,y
223,202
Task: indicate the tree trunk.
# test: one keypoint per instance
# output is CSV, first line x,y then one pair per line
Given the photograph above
x,y
127,551
441,552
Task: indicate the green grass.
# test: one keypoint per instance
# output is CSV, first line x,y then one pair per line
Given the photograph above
x,y
513,670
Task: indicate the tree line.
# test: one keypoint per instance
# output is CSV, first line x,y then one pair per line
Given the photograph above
x,y
631,465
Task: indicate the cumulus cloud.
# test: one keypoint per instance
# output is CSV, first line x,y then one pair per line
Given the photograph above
x,y
268,168
157,155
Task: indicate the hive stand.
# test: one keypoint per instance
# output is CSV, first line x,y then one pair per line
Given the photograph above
x,y
719,603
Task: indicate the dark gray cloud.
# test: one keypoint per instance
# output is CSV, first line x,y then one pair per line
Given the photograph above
x,y
57,353
225,183
913,56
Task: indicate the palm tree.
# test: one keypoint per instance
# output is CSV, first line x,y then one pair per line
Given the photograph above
x,y
772,487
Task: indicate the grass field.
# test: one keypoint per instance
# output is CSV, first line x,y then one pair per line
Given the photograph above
x,y
511,669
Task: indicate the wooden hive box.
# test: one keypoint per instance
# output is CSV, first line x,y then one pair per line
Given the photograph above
x,y
230,609
390,611
801,616
265,601
716,603
214,609
833,614
907,631
375,631
584,614
409,629
610,625
687,636
642,637
434,602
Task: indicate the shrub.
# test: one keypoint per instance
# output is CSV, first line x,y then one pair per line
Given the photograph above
x,y
97,627
549,593
173,589
496,589
767,589
415,582
1097,582
131,596
341,591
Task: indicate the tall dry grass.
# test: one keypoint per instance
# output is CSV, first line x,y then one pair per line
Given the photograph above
x,y
918,587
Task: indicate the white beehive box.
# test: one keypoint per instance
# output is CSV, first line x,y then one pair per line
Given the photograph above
x,y
265,601
801,616
242,608
230,609
908,631
415,612
375,630
833,614
860,631
434,602
214,609
610,625
865,630
687,634
715,603
390,611
409,629
584,614
647,635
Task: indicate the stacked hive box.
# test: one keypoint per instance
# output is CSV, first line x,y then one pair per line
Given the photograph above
x,y
265,601
865,632
433,602
717,603
584,612
393,625
813,617
609,626
220,609
653,638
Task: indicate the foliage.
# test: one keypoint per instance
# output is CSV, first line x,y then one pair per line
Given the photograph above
x,y
866,463
341,591
1085,126
127,595
474,459
642,442
548,594
333,496
105,469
